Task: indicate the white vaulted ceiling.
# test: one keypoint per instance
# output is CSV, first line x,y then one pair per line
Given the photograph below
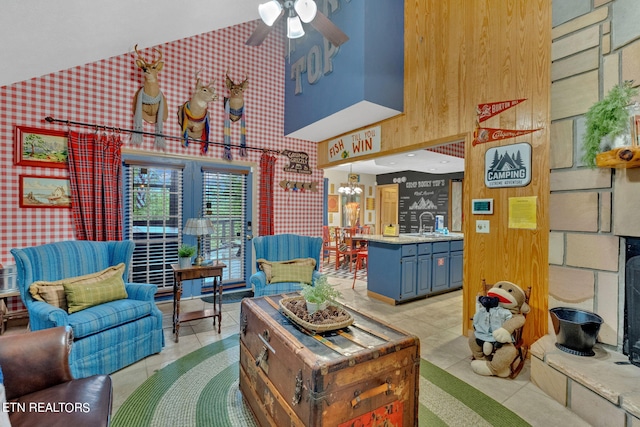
x,y
38,37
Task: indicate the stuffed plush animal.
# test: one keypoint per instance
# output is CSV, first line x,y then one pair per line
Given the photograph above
x,y
498,314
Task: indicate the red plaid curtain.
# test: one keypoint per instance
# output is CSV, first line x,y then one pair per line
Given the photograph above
x,y
267,171
95,171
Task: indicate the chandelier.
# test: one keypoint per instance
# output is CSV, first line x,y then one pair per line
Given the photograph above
x,y
352,188
298,11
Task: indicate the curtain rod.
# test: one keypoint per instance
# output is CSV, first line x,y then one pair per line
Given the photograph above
x,y
180,138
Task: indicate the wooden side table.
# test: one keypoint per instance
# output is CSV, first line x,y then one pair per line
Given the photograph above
x,y
190,273
4,316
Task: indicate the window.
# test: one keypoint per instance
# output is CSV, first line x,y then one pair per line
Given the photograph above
x,y
224,202
160,197
153,220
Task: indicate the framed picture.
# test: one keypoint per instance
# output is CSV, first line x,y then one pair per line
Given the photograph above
x,y
44,192
332,203
40,147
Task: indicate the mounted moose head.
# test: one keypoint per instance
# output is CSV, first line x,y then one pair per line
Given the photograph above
x,y
236,99
193,115
149,104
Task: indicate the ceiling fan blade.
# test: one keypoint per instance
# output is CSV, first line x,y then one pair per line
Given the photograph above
x,y
261,32
328,29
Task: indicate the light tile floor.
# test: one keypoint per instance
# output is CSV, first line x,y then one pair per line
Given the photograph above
x,y
437,321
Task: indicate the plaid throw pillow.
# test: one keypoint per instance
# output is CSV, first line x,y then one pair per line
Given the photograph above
x,y
93,289
298,273
49,292
267,266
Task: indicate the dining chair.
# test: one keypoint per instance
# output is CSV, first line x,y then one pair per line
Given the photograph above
x,y
328,243
350,247
361,257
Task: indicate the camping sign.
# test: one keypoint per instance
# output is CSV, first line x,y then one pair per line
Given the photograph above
x,y
508,166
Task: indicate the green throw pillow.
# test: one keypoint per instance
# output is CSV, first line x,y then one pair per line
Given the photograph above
x,y
93,289
299,273
267,266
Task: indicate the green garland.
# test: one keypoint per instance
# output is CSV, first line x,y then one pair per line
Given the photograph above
x,y
608,116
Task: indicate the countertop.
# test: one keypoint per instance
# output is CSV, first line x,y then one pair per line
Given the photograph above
x,y
403,239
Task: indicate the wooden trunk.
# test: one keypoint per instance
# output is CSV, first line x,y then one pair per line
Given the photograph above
x,y
366,374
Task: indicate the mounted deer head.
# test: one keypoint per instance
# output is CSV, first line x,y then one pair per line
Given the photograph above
x,y
193,115
149,104
236,97
203,94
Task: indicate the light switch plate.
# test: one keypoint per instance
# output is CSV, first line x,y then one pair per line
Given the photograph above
x,y
482,226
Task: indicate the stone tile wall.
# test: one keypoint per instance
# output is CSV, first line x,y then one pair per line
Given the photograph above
x,y
596,45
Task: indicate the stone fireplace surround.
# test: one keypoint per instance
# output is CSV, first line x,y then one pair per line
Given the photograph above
x,y
603,389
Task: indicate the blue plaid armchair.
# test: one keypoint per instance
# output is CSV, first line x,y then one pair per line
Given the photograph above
x,y
283,247
108,336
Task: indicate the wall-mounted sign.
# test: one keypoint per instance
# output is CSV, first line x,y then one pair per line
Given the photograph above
x,y
482,135
508,166
298,162
366,141
490,109
522,212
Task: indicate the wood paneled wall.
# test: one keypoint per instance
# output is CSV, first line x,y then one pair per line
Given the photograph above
x,y
459,53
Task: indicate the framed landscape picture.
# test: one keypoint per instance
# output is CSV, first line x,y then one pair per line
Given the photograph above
x,y
40,147
44,192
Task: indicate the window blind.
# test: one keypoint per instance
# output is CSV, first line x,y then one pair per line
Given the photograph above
x,y
153,218
224,202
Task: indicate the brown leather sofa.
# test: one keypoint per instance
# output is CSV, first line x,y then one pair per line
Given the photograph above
x,y
40,388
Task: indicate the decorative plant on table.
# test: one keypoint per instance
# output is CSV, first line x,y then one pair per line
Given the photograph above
x,y
609,118
320,295
185,253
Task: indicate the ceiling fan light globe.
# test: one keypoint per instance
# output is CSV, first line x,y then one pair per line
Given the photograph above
x,y
270,11
294,27
306,10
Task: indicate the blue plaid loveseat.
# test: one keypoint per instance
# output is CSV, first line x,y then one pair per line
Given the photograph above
x,y
283,247
108,336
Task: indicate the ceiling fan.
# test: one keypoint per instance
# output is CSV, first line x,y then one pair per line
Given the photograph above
x,y
298,11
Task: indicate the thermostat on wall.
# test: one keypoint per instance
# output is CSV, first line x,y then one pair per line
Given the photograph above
x,y
482,206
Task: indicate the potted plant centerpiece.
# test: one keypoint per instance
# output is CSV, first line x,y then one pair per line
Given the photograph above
x,y
185,253
607,128
320,295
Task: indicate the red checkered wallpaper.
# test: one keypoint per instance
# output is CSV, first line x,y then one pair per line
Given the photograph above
x,y
102,93
455,149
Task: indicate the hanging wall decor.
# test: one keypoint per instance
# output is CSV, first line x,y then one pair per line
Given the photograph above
x,y
40,147
298,162
44,192
488,110
299,186
149,104
193,115
234,110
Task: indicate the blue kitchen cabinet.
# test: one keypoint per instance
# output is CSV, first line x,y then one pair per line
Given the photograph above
x,y
401,272
440,267
455,265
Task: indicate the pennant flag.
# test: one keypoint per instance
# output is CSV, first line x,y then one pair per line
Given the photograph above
x,y
482,135
486,111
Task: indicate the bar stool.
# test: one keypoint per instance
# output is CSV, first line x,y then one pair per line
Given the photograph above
x,y
360,257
